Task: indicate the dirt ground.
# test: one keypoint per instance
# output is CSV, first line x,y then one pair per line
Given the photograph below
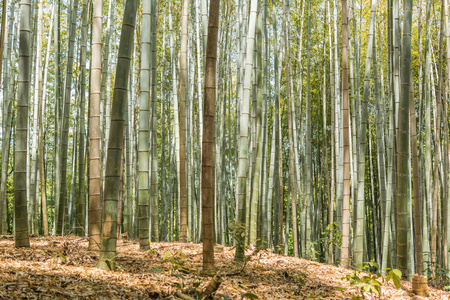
x,y
63,268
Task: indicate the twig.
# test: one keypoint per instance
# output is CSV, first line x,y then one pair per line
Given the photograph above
x,y
212,287
240,271
87,234
183,296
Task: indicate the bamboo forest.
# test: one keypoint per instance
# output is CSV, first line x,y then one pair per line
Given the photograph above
x,y
183,140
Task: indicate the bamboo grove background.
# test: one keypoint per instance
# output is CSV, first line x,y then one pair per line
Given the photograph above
x,y
326,146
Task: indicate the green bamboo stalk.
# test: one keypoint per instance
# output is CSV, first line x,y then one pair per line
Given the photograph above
x,y
403,180
115,144
154,201
21,237
144,130
446,133
8,85
346,136
243,123
182,122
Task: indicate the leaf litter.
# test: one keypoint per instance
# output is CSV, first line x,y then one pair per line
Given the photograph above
x,y
64,268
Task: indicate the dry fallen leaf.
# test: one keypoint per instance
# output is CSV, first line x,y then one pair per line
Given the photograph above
x,y
63,268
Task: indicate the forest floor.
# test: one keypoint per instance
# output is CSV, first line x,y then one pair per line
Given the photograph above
x,y
63,268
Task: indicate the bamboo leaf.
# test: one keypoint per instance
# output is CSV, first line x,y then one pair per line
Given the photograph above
x,y
397,273
178,276
156,270
250,296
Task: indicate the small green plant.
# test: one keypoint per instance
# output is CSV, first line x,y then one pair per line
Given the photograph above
x,y
279,248
177,261
336,234
372,282
366,283
119,268
441,277
152,252
179,285
62,258
239,232
313,253
191,285
396,276
300,278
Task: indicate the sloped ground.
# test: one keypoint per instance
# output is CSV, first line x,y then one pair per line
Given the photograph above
x,y
63,268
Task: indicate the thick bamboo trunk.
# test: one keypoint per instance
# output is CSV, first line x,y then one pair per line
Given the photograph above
x,y
403,222
243,124
94,131
144,130
208,137
20,171
115,144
